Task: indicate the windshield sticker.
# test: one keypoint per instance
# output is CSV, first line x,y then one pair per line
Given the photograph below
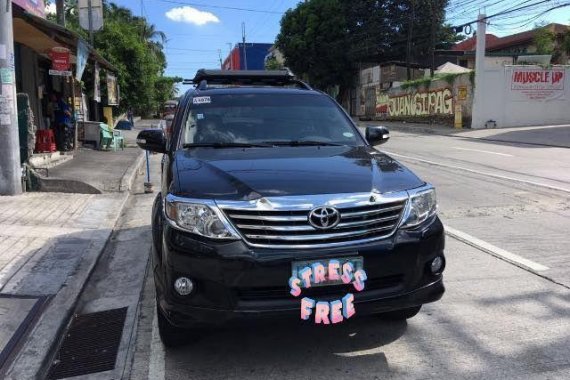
x,y
201,100
327,312
348,134
200,116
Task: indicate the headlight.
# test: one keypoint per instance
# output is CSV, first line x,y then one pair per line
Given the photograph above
x,y
198,218
422,205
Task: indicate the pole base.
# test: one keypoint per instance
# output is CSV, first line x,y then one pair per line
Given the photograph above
x,y
148,187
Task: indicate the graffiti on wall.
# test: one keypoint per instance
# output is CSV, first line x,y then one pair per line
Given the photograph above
x,y
423,103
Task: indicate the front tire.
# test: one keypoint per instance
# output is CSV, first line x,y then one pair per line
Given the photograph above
x,y
400,315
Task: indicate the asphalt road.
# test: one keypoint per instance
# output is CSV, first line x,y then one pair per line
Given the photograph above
x,y
506,312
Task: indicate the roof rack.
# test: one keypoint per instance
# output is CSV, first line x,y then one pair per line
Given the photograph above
x,y
204,77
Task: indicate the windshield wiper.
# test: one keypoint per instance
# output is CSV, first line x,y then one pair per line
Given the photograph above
x,y
225,145
302,143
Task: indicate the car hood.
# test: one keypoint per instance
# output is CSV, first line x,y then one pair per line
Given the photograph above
x,y
252,173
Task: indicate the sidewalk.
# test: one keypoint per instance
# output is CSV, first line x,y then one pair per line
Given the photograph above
x,y
95,172
549,135
49,246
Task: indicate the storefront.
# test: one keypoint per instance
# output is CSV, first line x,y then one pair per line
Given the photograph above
x,y
47,59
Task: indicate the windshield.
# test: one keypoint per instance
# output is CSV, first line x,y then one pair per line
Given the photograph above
x,y
270,119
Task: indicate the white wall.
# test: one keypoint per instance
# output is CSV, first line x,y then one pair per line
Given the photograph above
x,y
501,105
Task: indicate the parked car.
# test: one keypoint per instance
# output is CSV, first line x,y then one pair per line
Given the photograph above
x,y
266,178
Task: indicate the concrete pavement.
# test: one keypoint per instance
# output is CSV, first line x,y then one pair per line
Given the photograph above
x,y
548,135
49,246
94,171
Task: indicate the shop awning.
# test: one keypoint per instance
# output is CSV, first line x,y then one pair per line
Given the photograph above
x,y
41,35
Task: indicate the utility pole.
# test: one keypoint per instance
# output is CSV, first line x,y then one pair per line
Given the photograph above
x,y
60,12
10,169
90,15
409,45
434,20
478,117
220,55
243,39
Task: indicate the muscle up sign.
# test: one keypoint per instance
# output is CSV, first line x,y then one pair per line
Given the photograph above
x,y
537,84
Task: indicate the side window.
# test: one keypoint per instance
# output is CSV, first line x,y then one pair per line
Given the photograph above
x,y
190,128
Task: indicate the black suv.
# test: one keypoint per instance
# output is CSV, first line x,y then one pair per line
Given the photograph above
x,y
265,179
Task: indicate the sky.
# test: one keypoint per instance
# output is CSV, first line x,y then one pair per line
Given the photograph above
x,y
197,33
199,30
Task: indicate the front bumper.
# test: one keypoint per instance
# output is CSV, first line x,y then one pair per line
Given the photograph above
x,y
236,282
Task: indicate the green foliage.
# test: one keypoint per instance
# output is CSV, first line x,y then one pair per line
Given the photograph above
x,y
325,40
544,41
426,82
135,48
313,39
273,64
423,82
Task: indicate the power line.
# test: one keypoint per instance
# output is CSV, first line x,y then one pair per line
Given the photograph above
x,y
219,7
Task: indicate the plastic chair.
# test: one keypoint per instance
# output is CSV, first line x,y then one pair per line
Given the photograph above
x,y
106,136
118,140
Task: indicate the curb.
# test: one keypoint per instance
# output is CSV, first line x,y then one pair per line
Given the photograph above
x,y
131,173
59,185
34,358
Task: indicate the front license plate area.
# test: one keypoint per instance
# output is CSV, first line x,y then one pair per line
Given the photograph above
x,y
357,262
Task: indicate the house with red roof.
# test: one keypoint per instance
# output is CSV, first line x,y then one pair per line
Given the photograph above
x,y
506,50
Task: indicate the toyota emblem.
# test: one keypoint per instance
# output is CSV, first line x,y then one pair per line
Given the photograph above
x,y
324,218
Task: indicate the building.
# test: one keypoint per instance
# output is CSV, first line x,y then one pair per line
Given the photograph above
x,y
47,58
375,78
252,59
274,55
500,51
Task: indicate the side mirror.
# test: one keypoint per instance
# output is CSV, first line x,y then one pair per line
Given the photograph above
x,y
376,135
152,140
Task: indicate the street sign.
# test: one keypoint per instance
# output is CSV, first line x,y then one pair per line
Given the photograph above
x,y
59,58
96,14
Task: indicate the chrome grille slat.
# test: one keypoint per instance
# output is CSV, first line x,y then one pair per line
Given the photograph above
x,y
371,212
284,227
359,223
270,218
334,235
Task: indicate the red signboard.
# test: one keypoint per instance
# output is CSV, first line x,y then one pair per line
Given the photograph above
x,y
59,59
37,7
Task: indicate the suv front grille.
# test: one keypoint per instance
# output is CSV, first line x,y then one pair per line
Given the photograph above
x,y
292,228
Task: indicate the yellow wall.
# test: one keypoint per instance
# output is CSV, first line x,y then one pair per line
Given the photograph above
x,y
108,113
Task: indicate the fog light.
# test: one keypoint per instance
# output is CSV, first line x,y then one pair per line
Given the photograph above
x,y
436,265
183,286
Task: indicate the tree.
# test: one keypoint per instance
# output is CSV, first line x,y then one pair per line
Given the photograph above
x,y
313,39
135,48
325,41
273,64
544,40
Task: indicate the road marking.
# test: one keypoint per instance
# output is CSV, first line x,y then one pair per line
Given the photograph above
x,y
483,151
156,364
480,172
494,251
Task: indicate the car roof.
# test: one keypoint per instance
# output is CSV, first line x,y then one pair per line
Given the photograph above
x,y
254,90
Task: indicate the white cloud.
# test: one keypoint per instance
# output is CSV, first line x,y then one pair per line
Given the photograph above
x,y
50,9
191,16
